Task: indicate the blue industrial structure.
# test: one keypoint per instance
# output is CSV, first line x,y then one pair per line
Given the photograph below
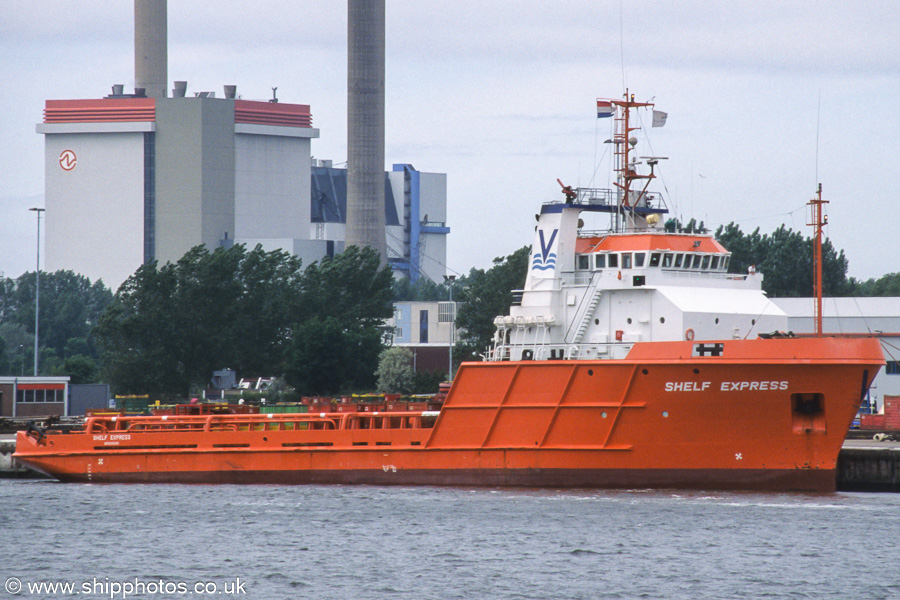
x,y
404,201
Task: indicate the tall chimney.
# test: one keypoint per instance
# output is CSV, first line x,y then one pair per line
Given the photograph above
x,y
365,126
150,47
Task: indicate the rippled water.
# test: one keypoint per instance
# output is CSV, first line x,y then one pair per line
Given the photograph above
x,y
419,543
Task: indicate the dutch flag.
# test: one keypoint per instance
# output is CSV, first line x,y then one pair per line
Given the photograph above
x,y
605,109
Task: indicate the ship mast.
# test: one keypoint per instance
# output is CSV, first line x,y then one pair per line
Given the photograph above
x,y
818,220
624,143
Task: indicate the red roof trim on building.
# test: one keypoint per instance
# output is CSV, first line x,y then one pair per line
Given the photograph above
x,y
41,386
272,113
103,110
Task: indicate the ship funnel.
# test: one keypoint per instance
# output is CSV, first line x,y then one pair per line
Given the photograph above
x,y
231,92
118,89
180,89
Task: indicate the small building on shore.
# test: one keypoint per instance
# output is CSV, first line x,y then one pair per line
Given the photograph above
x,y
426,329
34,396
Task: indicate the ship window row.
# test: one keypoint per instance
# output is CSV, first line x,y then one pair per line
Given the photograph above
x,y
667,260
40,395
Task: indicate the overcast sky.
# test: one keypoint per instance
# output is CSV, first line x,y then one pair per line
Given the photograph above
x,y
765,99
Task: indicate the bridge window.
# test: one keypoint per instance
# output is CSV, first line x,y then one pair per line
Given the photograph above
x,y
583,262
613,261
705,264
715,263
725,262
698,258
626,260
639,259
666,260
600,261
678,259
654,259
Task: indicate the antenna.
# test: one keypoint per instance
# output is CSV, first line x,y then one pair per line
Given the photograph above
x,y
818,114
622,40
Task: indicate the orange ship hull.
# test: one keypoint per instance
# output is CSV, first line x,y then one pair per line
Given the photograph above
x,y
756,414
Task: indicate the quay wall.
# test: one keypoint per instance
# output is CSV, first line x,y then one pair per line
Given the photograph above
x,y
868,470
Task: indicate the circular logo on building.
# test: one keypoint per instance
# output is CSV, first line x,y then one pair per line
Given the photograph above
x,y
67,160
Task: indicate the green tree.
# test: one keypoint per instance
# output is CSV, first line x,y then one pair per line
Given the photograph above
x,y
395,371
423,290
70,307
340,312
886,285
428,382
169,327
80,369
140,336
785,258
326,357
19,356
350,287
746,250
485,294
266,308
5,367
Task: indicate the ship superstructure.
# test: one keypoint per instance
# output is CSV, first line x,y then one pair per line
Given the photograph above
x,y
594,294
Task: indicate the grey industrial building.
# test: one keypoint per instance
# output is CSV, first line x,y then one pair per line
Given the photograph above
x,y
140,176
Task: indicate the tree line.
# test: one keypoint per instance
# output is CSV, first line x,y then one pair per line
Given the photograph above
x,y
256,312
70,307
168,327
321,328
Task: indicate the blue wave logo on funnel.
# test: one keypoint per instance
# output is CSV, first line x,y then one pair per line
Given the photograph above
x,y
545,259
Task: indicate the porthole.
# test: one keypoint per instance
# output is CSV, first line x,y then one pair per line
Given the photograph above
x,y
717,320
629,320
596,321
590,372
753,321
696,371
663,319
665,414
603,414
645,371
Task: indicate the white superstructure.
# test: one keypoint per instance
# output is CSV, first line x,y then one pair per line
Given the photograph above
x,y
593,296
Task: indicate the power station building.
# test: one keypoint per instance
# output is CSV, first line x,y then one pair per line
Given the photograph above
x,y
132,179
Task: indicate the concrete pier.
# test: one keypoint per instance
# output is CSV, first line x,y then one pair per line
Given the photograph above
x,y
8,467
865,465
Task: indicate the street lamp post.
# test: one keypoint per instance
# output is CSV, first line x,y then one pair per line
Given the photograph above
x,y
37,289
449,279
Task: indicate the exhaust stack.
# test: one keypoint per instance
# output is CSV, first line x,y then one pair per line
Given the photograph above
x,y
150,47
365,126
